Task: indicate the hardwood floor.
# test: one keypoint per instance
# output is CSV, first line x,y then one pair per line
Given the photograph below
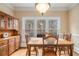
x,y
22,52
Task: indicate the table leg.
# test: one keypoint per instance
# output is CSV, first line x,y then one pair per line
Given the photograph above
x,y
43,52
36,50
71,50
29,52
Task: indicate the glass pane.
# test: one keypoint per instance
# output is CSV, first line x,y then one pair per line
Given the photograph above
x,y
53,27
41,26
29,29
2,24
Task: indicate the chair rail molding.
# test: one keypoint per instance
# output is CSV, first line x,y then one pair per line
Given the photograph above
x,y
75,39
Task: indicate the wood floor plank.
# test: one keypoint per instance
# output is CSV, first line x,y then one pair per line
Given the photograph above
x,y
22,52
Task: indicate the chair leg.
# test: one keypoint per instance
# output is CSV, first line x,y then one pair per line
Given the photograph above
x,y
36,51
26,53
68,51
64,52
59,51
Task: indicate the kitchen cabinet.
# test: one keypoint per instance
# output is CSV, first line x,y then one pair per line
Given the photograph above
x,y
14,44
17,42
11,45
8,22
4,48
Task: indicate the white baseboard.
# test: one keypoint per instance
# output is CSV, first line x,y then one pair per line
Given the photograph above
x,y
23,44
75,39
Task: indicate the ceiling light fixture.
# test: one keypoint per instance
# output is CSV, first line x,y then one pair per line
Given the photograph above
x,y
42,7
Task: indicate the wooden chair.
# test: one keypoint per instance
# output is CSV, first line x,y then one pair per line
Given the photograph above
x,y
49,50
27,40
60,35
67,37
62,48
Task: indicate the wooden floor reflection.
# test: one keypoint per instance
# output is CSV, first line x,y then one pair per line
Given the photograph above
x,y
22,52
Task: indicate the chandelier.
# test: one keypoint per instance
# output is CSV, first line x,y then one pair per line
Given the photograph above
x,y
42,7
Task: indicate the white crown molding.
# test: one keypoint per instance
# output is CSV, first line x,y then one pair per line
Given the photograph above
x,y
51,9
72,6
10,6
34,9
7,5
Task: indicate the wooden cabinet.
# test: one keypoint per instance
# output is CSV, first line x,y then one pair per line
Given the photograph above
x,y
14,44
8,22
11,45
10,25
17,42
4,48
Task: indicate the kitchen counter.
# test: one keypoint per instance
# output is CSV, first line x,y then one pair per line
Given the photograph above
x,y
9,45
8,38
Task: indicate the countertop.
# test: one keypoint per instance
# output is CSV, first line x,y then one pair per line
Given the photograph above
x,y
8,38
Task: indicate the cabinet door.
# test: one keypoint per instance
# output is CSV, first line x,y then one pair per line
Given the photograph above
x,y
11,45
2,26
16,24
17,42
4,50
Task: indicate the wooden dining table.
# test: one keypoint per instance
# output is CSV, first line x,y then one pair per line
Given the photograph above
x,y
36,42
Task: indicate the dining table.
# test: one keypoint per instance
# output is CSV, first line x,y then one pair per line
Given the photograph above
x,y
36,42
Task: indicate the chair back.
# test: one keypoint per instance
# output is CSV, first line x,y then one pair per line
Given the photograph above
x,y
67,37
27,37
53,37
60,35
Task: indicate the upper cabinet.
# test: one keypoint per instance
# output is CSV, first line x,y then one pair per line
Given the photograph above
x,y
8,22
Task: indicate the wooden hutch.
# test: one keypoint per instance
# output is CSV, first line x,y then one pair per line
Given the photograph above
x,y
10,25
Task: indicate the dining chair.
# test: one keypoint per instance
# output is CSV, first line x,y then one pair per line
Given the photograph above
x,y
50,49
66,48
60,35
27,40
67,36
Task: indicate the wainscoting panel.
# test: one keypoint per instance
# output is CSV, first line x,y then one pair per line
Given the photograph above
x,y
75,39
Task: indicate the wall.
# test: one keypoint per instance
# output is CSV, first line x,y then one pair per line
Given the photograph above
x,y
62,14
74,26
7,9
74,20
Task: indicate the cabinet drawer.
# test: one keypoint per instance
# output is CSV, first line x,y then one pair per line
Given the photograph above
x,y
4,50
3,42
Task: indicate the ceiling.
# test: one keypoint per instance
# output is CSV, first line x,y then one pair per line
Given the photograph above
x,y
31,6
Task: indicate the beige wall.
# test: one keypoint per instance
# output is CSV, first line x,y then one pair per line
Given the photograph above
x,y
6,9
74,20
62,14
69,20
